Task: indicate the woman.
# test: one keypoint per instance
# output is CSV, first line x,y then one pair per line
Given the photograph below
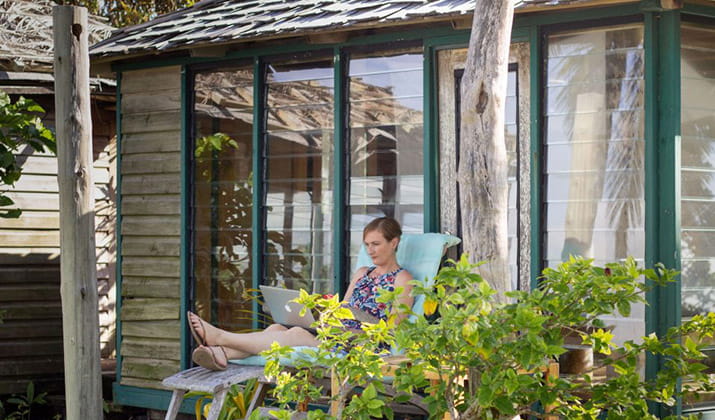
x,y
381,237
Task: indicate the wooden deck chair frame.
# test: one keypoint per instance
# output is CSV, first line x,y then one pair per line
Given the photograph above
x,y
420,254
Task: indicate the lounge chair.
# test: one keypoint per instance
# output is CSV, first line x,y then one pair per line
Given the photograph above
x,y
420,254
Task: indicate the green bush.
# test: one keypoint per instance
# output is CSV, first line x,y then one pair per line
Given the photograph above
x,y
20,125
503,349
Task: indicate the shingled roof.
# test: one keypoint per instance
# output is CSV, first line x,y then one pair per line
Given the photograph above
x,y
223,21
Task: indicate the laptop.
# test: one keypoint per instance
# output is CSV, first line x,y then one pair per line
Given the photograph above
x,y
283,310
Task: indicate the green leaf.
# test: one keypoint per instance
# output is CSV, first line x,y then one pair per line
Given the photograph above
x,y
504,405
624,308
370,392
5,201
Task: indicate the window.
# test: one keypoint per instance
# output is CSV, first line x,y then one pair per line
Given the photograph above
x,y
222,196
384,171
594,151
697,181
697,174
298,181
385,142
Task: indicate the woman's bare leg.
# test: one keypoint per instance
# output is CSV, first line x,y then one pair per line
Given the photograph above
x,y
257,342
241,345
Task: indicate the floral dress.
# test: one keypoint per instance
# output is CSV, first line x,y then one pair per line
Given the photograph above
x,y
365,292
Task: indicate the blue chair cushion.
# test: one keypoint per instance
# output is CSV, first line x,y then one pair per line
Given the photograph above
x,y
299,353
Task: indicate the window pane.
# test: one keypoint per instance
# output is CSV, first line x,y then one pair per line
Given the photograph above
x,y
697,174
595,151
511,137
222,196
386,142
298,178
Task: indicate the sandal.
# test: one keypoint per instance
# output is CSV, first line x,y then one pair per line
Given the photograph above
x,y
199,339
208,357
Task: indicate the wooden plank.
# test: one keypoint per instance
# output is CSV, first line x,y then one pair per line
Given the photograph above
x,y
104,208
35,183
38,165
33,366
30,346
151,79
101,192
152,142
47,273
29,292
30,238
33,220
158,329
104,223
28,151
102,239
151,225
151,266
168,246
151,100
35,201
100,175
151,205
150,287
53,384
36,256
150,163
10,329
150,309
158,348
151,122
136,367
143,383
106,255
105,271
151,184
26,311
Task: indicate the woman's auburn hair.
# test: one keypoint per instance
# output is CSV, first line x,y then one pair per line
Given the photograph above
x,y
387,226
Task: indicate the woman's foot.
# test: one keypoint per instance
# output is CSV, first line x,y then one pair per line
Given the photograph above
x,y
204,333
210,357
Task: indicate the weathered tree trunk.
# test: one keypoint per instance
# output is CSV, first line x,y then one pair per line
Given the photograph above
x,y
80,320
482,171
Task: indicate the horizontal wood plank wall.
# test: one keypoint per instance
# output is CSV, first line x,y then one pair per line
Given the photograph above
x,y
151,211
31,334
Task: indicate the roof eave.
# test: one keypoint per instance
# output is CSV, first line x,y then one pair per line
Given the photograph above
x,y
104,61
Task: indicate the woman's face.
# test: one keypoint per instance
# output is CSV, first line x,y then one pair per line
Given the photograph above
x,y
380,249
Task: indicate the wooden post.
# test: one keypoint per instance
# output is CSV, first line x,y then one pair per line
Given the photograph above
x,y
80,319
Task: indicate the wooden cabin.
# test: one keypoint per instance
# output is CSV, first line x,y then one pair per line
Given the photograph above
x,y
31,331
257,138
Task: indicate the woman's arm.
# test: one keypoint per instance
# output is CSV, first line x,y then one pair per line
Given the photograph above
x,y
403,280
358,274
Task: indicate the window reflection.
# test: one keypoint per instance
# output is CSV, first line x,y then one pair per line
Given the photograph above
x,y
298,176
222,196
697,174
595,151
386,141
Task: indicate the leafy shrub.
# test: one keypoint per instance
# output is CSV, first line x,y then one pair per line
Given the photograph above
x,y
503,350
22,404
20,125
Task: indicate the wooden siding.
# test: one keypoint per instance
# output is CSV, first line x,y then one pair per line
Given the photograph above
x,y
31,334
151,225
